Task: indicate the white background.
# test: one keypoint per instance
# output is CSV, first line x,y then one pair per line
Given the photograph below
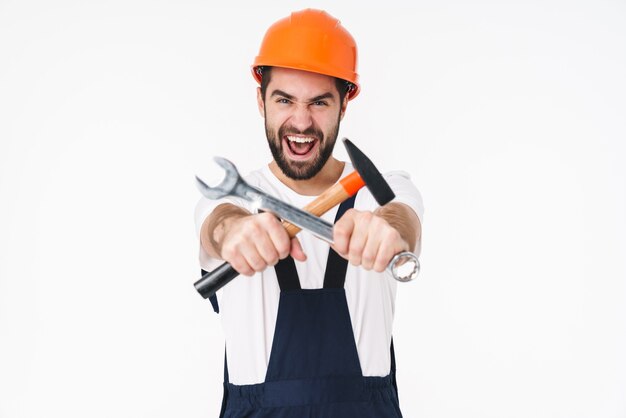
x,y
510,117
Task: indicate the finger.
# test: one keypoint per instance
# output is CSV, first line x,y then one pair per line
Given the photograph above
x,y
266,249
384,256
279,238
391,244
261,240
372,247
359,238
250,253
342,232
297,253
239,263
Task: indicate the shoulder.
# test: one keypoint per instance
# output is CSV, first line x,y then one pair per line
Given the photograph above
x,y
257,176
406,191
403,187
398,176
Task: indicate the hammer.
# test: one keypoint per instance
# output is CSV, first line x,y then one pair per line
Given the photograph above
x,y
365,174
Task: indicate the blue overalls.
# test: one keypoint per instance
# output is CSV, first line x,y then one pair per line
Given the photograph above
x,y
314,368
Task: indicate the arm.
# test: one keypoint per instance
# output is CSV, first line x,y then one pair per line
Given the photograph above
x,y
215,226
405,221
250,243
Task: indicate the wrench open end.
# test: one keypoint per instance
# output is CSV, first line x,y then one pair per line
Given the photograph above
x,y
228,166
226,187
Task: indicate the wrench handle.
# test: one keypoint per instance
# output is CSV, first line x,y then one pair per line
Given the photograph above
x,y
214,280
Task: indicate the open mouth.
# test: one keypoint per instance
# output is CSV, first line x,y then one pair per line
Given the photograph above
x,y
300,147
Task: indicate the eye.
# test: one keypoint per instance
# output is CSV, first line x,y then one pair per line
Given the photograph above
x,y
283,100
320,103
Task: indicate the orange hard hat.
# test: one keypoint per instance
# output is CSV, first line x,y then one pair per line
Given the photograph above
x,y
310,40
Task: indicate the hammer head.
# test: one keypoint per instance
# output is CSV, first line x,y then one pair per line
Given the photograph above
x,y
372,178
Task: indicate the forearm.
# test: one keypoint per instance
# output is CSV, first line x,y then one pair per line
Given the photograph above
x,y
405,221
216,225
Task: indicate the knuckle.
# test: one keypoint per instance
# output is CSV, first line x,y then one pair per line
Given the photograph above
x,y
264,215
244,233
254,229
249,256
257,263
267,220
379,266
228,253
355,253
340,234
242,268
271,222
270,258
356,248
368,258
382,260
366,216
283,249
393,233
378,222
341,228
254,263
389,237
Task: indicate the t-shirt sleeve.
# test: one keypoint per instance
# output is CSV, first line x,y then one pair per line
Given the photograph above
x,y
405,191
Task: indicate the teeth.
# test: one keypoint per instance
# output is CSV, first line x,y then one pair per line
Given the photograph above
x,y
300,140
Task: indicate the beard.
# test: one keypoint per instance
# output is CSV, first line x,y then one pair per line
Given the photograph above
x,y
301,170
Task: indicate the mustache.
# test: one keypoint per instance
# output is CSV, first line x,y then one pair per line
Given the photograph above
x,y
310,131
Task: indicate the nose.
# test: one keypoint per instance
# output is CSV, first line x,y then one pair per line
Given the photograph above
x,y
301,118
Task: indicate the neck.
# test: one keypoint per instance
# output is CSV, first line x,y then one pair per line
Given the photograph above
x,y
317,184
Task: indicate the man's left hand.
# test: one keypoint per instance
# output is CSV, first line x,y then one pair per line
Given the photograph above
x,y
367,240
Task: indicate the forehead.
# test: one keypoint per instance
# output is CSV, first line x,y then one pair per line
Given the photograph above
x,y
301,84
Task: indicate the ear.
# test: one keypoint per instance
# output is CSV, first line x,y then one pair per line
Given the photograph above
x,y
260,103
344,106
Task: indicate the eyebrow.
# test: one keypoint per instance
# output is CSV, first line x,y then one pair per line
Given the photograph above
x,y
288,96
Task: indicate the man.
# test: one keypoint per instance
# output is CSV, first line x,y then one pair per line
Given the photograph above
x,y
310,337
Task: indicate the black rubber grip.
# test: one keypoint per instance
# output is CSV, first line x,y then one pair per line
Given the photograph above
x,y
215,280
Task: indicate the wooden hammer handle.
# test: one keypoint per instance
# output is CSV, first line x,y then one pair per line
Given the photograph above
x,y
333,196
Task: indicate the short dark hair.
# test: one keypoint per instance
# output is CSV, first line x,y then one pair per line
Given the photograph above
x,y
343,86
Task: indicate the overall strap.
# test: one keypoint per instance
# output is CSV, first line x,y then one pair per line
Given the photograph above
x,y
287,274
226,381
336,265
394,382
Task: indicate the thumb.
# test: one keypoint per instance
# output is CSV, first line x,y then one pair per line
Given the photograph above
x,y
296,252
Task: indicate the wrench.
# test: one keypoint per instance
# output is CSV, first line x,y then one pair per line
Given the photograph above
x,y
403,267
234,185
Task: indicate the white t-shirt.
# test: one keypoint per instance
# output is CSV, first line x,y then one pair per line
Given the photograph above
x,y
249,305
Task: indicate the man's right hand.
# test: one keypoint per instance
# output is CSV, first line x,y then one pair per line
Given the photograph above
x,y
250,243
